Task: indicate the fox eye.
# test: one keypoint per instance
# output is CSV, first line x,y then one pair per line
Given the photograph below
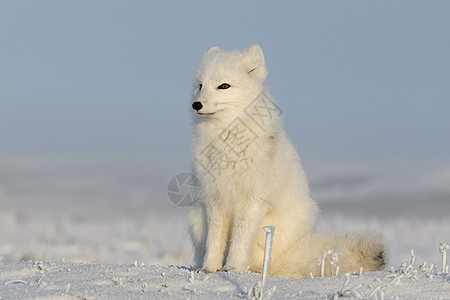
x,y
223,86
200,87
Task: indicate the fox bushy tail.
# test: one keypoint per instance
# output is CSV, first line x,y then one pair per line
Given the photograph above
x,y
315,255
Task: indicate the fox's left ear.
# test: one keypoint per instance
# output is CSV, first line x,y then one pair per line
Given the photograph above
x,y
255,62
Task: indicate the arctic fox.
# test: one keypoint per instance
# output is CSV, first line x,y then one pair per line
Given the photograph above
x,y
250,176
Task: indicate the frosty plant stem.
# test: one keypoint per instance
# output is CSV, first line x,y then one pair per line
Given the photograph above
x,y
333,260
413,258
443,248
322,262
267,251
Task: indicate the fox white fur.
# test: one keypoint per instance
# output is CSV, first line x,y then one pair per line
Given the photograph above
x,y
250,176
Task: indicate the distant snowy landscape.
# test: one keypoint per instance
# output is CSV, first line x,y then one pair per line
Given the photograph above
x,y
105,228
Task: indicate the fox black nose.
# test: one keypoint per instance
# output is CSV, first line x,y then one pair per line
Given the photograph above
x,y
197,106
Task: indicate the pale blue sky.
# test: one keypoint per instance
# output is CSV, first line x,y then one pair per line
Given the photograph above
x,y
368,78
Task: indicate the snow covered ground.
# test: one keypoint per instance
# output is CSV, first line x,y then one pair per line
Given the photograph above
x,y
105,228
63,280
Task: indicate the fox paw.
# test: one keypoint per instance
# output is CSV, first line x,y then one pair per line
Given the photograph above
x,y
227,269
205,271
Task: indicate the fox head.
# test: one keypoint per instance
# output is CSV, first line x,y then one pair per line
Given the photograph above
x,y
227,82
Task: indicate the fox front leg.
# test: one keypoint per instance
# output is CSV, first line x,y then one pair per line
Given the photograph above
x,y
218,226
247,222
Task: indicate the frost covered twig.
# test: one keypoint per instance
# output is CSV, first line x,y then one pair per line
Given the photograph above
x,y
413,258
40,279
322,262
66,291
443,248
333,260
258,291
341,292
430,268
253,293
267,251
15,282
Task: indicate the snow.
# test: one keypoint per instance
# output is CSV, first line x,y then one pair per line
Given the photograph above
x,y
66,280
105,229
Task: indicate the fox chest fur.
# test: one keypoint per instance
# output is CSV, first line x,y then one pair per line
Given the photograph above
x,y
231,161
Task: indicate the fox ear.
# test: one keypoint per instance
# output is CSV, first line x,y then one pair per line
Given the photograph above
x,y
213,50
256,65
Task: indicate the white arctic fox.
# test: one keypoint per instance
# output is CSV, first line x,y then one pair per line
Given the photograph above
x,y
250,176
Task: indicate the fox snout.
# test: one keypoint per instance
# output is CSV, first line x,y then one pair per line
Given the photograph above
x,y
197,106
